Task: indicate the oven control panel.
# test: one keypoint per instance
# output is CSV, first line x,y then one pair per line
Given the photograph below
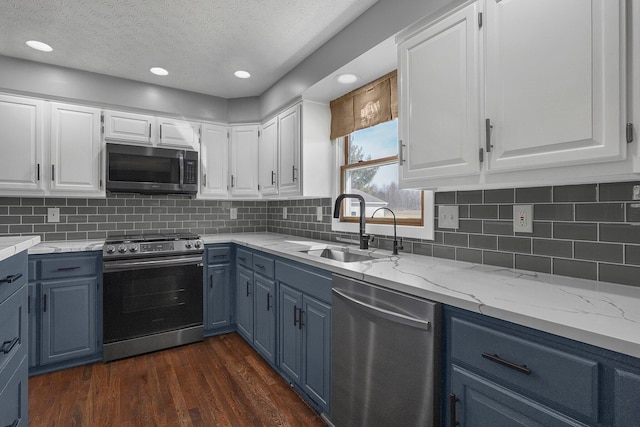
x,y
120,249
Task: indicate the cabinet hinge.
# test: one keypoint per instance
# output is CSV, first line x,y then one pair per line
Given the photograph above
x,y
629,133
480,20
481,155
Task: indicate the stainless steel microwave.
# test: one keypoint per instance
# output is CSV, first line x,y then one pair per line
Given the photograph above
x,y
150,170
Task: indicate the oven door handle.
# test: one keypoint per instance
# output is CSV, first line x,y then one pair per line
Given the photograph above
x,y
113,266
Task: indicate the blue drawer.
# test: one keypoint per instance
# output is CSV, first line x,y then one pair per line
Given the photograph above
x,y
244,258
218,255
263,265
13,397
305,279
13,274
54,268
13,328
537,369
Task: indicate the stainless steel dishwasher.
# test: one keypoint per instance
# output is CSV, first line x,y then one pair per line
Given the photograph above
x,y
385,349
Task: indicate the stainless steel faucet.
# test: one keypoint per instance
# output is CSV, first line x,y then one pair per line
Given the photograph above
x,y
364,237
396,245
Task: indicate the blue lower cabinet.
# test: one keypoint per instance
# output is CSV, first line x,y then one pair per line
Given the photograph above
x,y
290,332
218,301
14,396
316,350
264,339
304,334
68,320
501,374
65,311
244,303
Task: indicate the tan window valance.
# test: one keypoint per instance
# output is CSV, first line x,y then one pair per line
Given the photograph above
x,y
369,105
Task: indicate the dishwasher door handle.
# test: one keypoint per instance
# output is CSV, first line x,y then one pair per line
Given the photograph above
x,y
389,315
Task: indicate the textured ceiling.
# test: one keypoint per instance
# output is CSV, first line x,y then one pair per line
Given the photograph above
x,y
200,42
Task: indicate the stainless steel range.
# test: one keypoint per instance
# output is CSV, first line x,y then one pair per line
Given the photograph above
x,y
152,293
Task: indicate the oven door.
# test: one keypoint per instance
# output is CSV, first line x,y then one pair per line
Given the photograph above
x,y
151,296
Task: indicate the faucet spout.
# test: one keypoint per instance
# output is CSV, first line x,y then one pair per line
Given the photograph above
x,y
364,238
396,245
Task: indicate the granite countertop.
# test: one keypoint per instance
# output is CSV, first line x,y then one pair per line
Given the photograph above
x,y
602,314
12,245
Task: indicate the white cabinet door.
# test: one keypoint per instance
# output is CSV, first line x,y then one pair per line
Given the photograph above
x,y
289,137
554,82
178,133
214,159
439,100
244,161
76,166
268,156
130,127
21,144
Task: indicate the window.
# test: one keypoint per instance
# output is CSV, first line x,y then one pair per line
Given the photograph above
x,y
371,170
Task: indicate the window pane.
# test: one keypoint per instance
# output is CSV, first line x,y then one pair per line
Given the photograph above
x,y
374,143
379,187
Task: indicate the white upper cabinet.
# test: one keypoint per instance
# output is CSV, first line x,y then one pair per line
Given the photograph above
x,y
299,138
214,161
289,141
439,100
554,82
76,162
21,145
151,130
244,161
129,127
505,92
178,133
268,177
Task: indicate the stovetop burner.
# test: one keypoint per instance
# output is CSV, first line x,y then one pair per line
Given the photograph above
x,y
145,245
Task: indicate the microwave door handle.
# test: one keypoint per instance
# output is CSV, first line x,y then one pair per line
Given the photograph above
x,y
181,158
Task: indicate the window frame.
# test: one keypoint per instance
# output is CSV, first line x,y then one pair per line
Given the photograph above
x,y
345,167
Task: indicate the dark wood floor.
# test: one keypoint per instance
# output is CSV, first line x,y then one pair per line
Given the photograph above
x,y
219,382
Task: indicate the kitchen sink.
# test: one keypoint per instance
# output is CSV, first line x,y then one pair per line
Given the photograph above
x,y
343,254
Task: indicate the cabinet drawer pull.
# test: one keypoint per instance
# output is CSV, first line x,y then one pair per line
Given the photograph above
x,y
453,416
273,178
294,170
220,256
268,301
241,258
12,278
248,287
44,302
295,315
68,268
260,266
38,172
14,423
499,360
488,128
7,346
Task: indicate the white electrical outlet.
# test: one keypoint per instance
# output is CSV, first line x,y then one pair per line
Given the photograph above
x,y
523,218
233,213
284,213
318,213
449,217
53,215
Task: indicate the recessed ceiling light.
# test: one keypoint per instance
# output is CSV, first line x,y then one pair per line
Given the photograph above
x,y
242,74
159,71
39,46
347,78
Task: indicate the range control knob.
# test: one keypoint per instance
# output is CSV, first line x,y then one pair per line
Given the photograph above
x,y
133,248
188,245
110,249
122,249
197,244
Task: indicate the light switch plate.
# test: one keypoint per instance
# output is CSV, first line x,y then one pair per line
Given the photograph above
x,y
53,215
523,218
284,213
318,213
233,213
449,217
